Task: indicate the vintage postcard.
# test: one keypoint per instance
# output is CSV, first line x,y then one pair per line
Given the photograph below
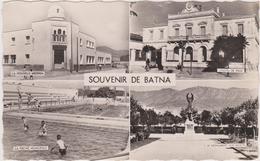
x,y
129,80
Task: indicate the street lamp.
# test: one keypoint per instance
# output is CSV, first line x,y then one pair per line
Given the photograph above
x,y
181,45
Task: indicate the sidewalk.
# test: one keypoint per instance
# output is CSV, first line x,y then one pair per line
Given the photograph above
x,y
105,122
180,147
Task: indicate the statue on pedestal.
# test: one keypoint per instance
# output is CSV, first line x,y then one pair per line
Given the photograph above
x,y
189,123
190,99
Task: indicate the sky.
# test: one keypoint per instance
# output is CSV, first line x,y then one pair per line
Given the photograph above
x,y
222,84
107,22
156,13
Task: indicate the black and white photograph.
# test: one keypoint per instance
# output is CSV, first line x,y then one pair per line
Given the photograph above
x,y
195,40
63,40
50,120
129,80
195,120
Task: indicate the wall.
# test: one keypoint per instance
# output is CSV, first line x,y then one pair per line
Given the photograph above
x,y
19,47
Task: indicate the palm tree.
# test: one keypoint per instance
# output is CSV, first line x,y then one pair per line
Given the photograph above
x,y
232,47
132,12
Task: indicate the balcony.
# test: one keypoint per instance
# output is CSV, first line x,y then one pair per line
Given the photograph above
x,y
59,39
190,38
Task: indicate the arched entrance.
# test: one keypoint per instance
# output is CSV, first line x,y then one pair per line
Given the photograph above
x,y
176,53
59,57
203,53
189,54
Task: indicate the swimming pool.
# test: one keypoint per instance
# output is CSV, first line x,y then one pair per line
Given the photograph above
x,y
84,142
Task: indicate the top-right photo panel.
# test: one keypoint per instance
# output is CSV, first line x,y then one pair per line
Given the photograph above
x,y
195,40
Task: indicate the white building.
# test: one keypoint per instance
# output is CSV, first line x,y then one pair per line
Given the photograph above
x,y
51,44
198,29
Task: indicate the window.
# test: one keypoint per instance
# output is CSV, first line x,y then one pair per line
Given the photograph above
x,y
203,30
27,39
54,35
13,41
80,42
13,59
87,43
225,29
59,33
189,31
27,56
161,34
177,31
6,59
240,29
81,59
169,55
151,34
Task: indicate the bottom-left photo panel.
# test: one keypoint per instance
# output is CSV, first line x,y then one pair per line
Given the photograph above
x,y
50,120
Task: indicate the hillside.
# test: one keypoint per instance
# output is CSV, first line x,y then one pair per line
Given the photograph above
x,y
123,55
204,98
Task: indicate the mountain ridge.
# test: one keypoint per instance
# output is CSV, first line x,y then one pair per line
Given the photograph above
x,y
205,98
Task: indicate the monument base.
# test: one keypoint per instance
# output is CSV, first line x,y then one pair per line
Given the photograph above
x,y
189,127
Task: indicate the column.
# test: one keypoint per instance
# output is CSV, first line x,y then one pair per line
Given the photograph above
x,y
199,55
196,54
180,55
164,52
52,60
65,58
132,53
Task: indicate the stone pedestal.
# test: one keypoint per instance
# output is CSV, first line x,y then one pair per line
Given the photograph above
x,y
189,127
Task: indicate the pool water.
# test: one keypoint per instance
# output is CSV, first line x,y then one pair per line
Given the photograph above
x,y
84,142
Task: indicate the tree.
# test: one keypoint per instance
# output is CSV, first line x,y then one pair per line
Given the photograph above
x,y
105,92
181,45
205,117
134,112
152,117
232,48
216,119
184,113
168,118
132,12
227,116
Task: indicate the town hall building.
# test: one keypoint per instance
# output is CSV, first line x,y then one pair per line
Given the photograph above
x,y
52,44
198,29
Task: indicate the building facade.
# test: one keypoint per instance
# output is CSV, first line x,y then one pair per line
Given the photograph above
x,y
52,44
197,29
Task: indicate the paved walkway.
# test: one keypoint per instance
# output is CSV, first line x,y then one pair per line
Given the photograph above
x,y
179,146
106,122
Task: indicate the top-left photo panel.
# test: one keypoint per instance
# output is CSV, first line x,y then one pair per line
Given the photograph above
x,y
63,40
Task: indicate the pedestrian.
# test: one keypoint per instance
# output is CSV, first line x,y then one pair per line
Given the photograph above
x,y
29,99
31,74
25,124
61,145
147,64
25,73
43,129
19,99
38,105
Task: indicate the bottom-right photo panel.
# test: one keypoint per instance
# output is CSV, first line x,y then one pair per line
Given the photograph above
x,y
196,120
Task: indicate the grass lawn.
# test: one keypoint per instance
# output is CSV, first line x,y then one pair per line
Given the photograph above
x,y
139,144
84,142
